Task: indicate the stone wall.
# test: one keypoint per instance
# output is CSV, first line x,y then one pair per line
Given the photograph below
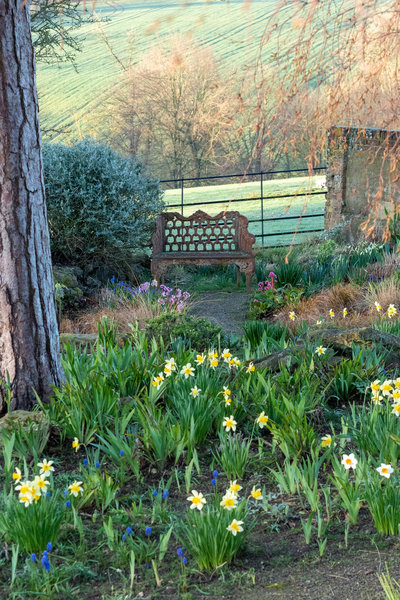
x,y
363,179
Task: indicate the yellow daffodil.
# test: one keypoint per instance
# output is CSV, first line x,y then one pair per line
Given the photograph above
x,y
197,500
229,501
385,470
26,499
76,444
24,488
332,313
250,368
46,467
386,387
345,312
195,391
229,423
200,358
376,399
227,400
157,381
256,494
235,527
35,491
16,475
41,482
227,395
187,371
396,382
214,363
378,306
212,354
292,316
326,441
234,487
320,350
396,396
376,385
226,354
262,420
396,409
234,362
349,461
75,488
319,322
391,311
168,370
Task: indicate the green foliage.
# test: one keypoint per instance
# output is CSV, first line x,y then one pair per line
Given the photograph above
x,y
383,499
265,303
101,207
289,274
33,526
233,455
196,333
206,536
254,331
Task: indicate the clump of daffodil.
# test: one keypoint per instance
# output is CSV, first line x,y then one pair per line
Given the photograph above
x,y
235,527
197,500
250,368
229,501
391,311
262,420
195,391
292,316
76,444
187,371
320,350
229,423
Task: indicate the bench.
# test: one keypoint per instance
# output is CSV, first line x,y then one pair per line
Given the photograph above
x,y
203,240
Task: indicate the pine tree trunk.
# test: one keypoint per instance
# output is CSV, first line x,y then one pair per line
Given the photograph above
x,y
29,342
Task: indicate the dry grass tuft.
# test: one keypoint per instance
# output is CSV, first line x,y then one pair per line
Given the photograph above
x,y
336,298
122,311
385,292
383,270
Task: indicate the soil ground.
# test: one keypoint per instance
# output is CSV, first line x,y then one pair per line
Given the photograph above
x,y
227,309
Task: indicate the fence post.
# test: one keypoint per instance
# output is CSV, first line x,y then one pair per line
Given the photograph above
x,y
182,196
262,210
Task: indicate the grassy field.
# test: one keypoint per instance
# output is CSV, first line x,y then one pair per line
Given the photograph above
x,y
70,98
251,207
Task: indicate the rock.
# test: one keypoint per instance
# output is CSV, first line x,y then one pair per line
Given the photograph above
x,y
68,276
25,420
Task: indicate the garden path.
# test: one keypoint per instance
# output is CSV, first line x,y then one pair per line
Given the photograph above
x,y
227,309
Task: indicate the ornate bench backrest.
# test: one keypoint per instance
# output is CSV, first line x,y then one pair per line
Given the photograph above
x,y
226,232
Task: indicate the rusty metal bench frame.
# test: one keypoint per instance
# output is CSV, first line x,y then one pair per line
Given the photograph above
x,y
203,240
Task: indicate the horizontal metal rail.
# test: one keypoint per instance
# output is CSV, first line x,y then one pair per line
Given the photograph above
x,y
288,232
224,202
179,179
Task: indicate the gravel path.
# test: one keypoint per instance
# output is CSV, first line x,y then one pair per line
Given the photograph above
x,y
227,309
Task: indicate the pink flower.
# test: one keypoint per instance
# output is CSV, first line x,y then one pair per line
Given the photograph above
x,y
272,275
255,300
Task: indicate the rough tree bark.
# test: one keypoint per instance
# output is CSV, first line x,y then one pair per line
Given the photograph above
x,y
29,342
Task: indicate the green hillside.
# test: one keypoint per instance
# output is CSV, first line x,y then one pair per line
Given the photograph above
x,y
69,97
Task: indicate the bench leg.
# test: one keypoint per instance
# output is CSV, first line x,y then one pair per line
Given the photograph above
x,y
249,277
238,276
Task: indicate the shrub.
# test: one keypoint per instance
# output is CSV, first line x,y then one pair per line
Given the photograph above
x,y
101,207
198,333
